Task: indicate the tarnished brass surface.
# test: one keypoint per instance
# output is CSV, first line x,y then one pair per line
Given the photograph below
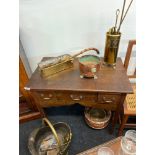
x,y
97,118
45,120
48,71
54,61
55,138
54,65
111,48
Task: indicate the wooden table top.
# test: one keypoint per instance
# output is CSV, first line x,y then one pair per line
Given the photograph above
x,y
109,80
114,145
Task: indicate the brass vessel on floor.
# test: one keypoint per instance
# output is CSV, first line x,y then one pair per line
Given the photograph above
x,y
50,139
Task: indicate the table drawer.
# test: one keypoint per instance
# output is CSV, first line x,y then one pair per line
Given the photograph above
x,y
107,106
46,96
108,98
92,99
47,99
77,96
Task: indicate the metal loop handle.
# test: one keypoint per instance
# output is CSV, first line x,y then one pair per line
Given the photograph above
x,y
108,100
76,99
45,120
85,50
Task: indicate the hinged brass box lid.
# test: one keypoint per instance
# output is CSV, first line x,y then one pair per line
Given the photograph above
x,y
53,69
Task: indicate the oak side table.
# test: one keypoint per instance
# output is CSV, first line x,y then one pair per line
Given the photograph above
x,y
108,91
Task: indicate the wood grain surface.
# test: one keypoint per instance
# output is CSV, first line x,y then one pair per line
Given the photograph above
x,y
109,80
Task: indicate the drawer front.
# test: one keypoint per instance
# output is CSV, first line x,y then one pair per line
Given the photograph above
x,y
107,106
61,98
77,97
46,96
46,99
108,98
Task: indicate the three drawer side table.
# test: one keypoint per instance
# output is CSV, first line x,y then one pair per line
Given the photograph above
x,y
108,91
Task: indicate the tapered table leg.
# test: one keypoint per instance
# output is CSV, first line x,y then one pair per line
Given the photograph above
x,y
120,130
116,116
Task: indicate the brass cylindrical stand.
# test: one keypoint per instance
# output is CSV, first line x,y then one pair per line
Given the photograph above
x,y
111,48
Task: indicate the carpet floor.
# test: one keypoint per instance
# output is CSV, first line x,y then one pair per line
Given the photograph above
x,y
83,138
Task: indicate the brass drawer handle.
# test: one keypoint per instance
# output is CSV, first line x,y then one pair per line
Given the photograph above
x,y
76,99
108,100
46,98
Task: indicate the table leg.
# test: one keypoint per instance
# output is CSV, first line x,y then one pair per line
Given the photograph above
x,y
38,105
117,112
120,130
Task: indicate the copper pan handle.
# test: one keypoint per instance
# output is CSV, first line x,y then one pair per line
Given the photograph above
x,y
85,50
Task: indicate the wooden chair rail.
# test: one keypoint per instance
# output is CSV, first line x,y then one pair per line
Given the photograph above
x,y
128,56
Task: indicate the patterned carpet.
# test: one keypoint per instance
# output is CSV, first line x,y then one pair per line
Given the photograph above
x,y
83,136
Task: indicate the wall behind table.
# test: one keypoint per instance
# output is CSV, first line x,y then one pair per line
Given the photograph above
x,y
55,27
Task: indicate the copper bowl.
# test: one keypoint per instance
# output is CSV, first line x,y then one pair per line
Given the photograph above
x,y
89,65
97,118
